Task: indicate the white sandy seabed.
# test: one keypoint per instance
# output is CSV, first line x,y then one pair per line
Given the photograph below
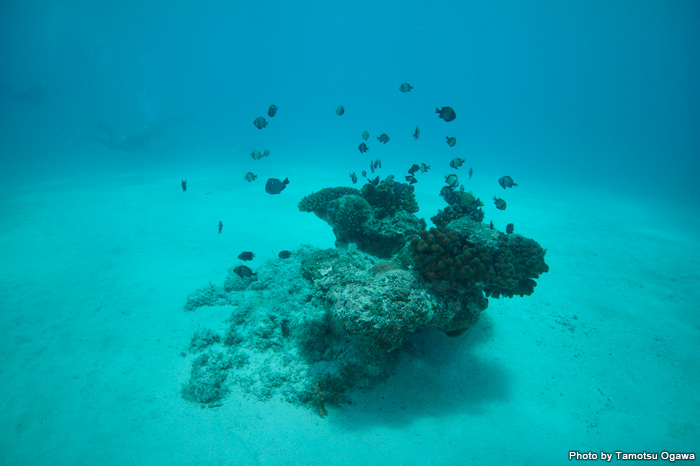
x,y
602,357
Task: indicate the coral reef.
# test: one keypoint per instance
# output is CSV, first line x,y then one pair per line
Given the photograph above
x,y
316,202
390,196
280,339
379,219
207,378
209,295
468,253
455,211
313,326
202,339
317,325
348,215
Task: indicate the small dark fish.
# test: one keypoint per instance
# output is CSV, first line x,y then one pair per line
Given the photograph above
x,y
250,177
411,179
375,181
243,271
465,198
260,123
405,87
500,203
340,110
452,180
447,193
377,163
363,147
221,226
399,188
256,155
456,163
371,166
272,111
390,178
506,182
471,172
246,256
491,224
353,177
383,138
184,185
416,133
265,153
446,113
364,173
414,168
451,141
275,186
365,135
284,254
424,168
510,228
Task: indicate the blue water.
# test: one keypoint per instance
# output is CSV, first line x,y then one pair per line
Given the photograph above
x,y
595,100
602,94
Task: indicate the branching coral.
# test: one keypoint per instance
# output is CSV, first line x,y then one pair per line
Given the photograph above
x,y
471,254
